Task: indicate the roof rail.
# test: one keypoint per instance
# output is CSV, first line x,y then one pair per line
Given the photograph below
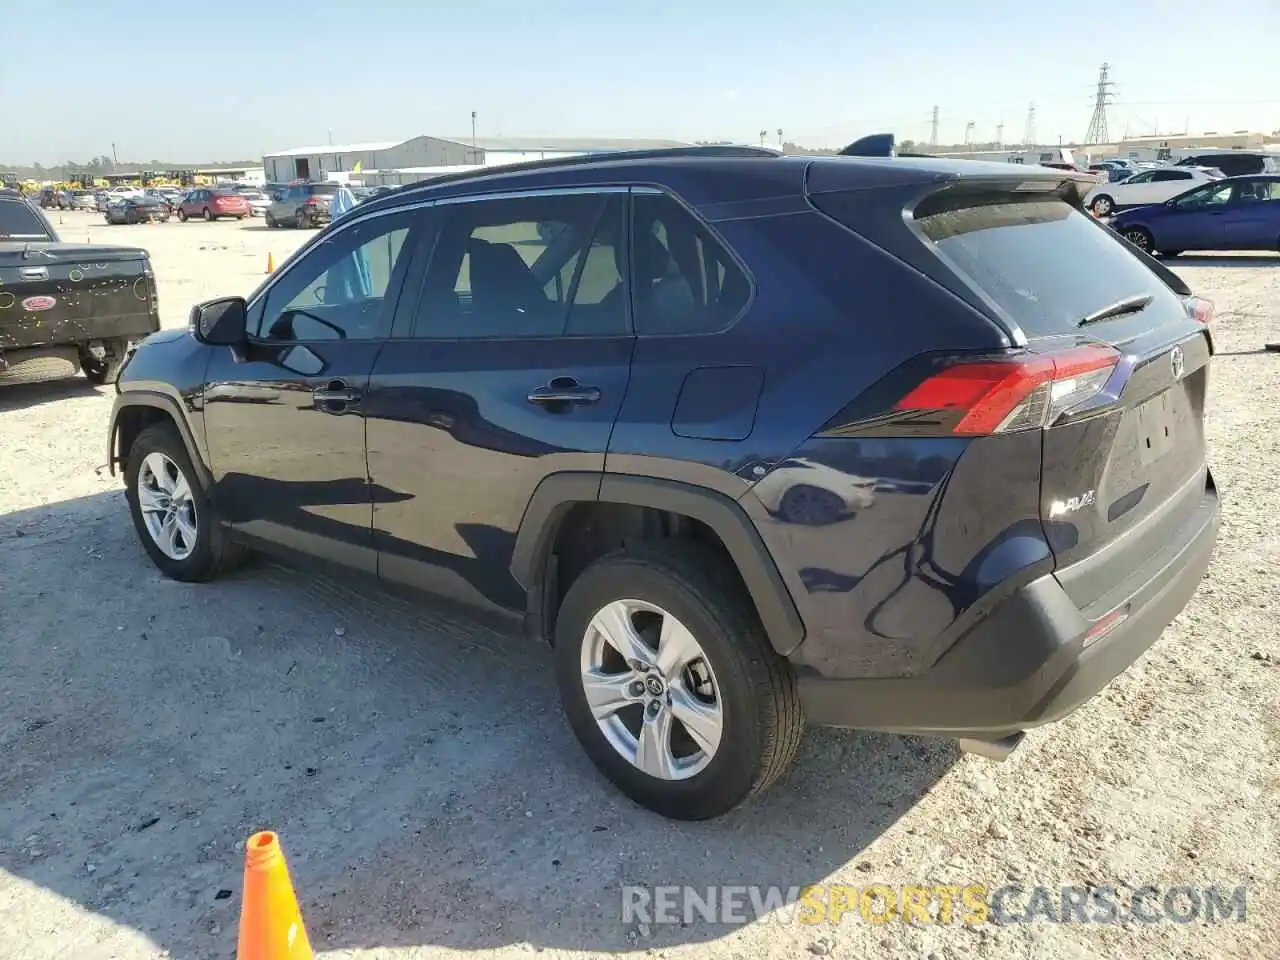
x,y
876,145
661,153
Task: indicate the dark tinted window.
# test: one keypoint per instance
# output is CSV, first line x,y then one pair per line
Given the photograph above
x,y
338,290
19,222
683,280
526,267
1162,175
1044,263
1233,166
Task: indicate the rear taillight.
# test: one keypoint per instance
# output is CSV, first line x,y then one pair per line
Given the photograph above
x,y
1200,309
973,398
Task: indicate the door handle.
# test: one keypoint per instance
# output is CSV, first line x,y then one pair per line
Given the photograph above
x,y
335,392
33,273
564,390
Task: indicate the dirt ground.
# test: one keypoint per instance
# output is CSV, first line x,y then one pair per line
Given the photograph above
x,y
432,801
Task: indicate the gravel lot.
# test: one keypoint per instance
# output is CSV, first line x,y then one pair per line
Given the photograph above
x,y
432,801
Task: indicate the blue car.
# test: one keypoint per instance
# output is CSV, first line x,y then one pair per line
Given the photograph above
x,y
1239,213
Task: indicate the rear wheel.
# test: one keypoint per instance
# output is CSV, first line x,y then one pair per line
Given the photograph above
x,y
302,221
1140,238
170,511
670,684
208,215
182,215
271,221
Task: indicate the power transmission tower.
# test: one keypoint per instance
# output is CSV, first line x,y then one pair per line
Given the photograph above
x,y
1000,134
933,128
1103,98
1029,131
968,132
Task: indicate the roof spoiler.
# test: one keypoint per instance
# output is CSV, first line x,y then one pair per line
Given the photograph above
x,y
876,145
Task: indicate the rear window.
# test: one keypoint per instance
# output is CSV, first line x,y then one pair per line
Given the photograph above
x,y
1043,262
325,189
19,222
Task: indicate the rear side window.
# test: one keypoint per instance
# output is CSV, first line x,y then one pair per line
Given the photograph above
x,y
19,222
1043,262
683,280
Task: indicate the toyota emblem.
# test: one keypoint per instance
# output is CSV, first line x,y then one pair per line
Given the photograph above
x,y
1176,362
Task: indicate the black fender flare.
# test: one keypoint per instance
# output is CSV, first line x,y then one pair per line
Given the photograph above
x,y
173,409
557,493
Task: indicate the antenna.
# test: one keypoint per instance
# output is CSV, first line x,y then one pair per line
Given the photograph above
x,y
1103,98
933,127
1029,131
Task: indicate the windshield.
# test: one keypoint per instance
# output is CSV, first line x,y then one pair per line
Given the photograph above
x,y
20,222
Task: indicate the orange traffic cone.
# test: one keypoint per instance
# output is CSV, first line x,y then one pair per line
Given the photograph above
x,y
271,263
270,921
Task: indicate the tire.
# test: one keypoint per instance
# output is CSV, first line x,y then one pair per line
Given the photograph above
x,y
761,720
182,216
240,217
301,220
102,372
1141,238
211,553
208,215
1171,253
1102,205
271,221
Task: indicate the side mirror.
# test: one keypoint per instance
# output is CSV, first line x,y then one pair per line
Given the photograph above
x,y
220,323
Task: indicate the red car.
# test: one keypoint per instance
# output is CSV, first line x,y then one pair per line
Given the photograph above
x,y
212,203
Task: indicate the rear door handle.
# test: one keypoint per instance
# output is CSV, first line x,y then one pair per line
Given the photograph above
x,y
564,390
33,273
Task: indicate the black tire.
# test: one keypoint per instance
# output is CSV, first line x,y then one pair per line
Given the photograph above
x,y
271,221
102,372
208,215
762,718
1102,205
182,216
1141,238
301,221
214,553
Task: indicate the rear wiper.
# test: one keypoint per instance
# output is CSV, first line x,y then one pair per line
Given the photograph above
x,y
1117,309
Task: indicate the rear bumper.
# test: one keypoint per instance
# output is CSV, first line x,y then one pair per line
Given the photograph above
x,y
1025,664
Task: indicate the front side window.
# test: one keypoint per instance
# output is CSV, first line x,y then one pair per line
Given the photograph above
x,y
683,279
1209,196
1163,175
537,266
338,291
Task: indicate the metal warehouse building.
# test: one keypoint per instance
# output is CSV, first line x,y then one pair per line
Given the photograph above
x,y
317,163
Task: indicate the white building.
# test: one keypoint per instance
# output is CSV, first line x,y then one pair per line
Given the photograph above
x,y
320,163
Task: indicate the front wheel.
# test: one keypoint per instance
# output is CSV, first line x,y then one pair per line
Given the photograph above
x,y
182,216
208,214
670,684
1102,205
271,221
170,511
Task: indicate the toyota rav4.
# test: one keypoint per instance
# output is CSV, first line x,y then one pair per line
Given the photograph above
x,y
880,442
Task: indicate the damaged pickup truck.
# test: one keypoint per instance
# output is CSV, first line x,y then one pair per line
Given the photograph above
x,y
81,302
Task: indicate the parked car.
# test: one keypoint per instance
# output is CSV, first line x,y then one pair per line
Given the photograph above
x,y
102,200
83,200
1149,186
1240,213
53,199
139,209
41,314
607,368
1235,163
212,203
302,205
258,202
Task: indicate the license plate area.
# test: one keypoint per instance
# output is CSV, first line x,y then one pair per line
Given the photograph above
x,y
1157,426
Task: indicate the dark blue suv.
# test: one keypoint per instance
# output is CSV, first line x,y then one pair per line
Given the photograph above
x,y
890,443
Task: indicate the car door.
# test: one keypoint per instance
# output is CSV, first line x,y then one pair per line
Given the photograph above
x,y
1167,184
284,415
1130,192
1251,220
511,366
1195,221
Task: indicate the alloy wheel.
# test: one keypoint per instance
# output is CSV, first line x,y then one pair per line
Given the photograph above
x,y
167,506
651,690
